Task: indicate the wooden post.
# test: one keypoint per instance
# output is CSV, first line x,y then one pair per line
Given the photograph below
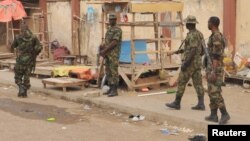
x,y
133,49
7,33
75,7
155,18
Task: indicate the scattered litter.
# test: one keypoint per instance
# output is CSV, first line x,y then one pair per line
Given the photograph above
x,y
136,117
105,89
198,137
165,131
86,107
113,113
51,119
116,114
169,132
184,129
64,128
171,91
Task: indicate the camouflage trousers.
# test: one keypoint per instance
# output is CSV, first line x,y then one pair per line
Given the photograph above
x,y
214,92
111,67
22,75
183,79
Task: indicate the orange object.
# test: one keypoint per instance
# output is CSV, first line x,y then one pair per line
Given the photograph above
x,y
82,73
144,89
11,9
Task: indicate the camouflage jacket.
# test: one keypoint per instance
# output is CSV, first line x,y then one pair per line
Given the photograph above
x,y
216,46
193,40
114,33
27,49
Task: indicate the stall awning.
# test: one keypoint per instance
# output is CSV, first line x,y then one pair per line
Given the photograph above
x,y
11,9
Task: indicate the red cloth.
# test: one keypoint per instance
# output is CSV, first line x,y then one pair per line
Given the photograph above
x,y
11,9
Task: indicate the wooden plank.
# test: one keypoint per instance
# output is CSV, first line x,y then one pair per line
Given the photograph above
x,y
63,82
125,78
156,7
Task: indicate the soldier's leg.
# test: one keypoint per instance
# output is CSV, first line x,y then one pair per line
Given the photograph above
x,y
108,73
182,81
197,81
213,94
220,101
114,79
19,79
216,99
26,80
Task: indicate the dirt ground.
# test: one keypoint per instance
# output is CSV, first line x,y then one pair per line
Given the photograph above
x,y
43,118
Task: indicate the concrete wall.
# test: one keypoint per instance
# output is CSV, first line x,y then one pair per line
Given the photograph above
x,y
243,27
203,9
60,22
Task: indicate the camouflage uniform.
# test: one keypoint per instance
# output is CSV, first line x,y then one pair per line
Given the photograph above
x,y
191,65
112,58
193,40
216,46
27,50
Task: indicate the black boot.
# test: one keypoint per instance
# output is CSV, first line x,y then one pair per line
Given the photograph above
x,y
21,91
200,105
213,116
176,104
224,116
25,93
113,91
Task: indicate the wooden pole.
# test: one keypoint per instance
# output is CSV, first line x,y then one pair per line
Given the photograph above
x,y
7,33
156,20
133,50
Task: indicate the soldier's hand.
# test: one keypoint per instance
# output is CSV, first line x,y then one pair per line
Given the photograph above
x,y
103,53
211,77
102,46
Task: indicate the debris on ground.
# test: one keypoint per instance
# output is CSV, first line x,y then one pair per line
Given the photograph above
x,y
136,117
198,137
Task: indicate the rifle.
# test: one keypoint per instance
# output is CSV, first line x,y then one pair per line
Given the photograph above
x,y
211,77
179,49
207,61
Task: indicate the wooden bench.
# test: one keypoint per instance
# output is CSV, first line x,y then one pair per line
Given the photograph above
x,y
64,82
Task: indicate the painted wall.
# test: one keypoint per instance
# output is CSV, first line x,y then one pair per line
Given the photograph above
x,y
59,22
203,9
243,27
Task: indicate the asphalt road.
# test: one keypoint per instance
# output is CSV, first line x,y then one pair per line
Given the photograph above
x,y
41,118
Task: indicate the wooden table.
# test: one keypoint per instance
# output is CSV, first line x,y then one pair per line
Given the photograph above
x,y
64,82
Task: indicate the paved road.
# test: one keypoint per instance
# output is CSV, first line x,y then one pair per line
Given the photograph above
x,y
27,120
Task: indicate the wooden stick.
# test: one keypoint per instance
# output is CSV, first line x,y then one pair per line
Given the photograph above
x,y
150,94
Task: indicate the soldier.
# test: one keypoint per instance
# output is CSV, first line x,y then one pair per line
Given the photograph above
x,y
111,52
27,47
191,65
216,45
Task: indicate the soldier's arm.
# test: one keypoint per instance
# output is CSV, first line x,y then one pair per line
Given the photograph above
x,y
38,46
194,44
217,51
113,44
